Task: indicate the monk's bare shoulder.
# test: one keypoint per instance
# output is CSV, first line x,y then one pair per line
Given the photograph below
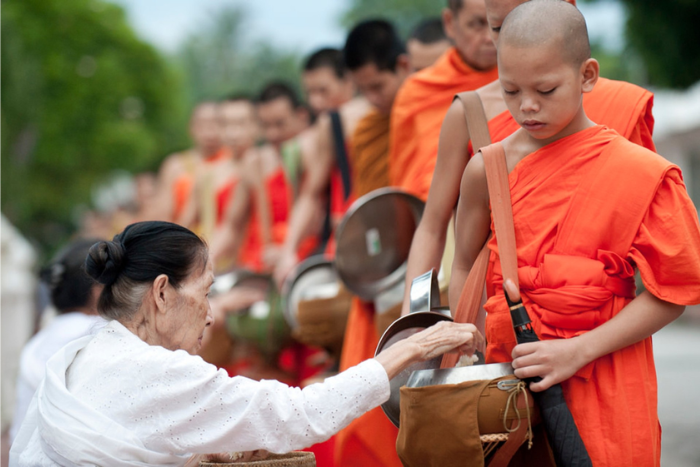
x,y
474,188
492,99
352,112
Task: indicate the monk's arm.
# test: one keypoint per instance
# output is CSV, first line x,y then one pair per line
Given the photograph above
x,y
429,240
557,360
308,208
162,206
472,225
228,237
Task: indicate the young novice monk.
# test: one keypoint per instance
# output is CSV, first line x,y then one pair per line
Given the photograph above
x,y
589,208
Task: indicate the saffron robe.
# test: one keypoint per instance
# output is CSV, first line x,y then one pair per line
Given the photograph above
x,y
278,197
416,118
371,439
370,151
588,210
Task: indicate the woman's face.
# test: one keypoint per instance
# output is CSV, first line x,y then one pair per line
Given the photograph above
x,y
191,312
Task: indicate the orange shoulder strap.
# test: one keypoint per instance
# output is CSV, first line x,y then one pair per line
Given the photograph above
x,y
477,125
502,211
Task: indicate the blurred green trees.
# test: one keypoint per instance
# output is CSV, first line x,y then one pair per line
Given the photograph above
x,y
223,59
81,95
404,14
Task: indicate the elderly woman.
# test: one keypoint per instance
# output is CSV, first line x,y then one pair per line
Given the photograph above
x,y
135,393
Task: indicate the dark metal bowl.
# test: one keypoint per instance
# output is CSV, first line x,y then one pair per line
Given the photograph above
x,y
400,329
373,241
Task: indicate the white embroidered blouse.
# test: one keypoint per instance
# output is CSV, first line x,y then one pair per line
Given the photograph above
x,y
113,397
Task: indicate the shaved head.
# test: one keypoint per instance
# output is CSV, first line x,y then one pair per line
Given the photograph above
x,y
548,22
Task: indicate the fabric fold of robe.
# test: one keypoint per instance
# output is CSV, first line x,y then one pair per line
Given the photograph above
x,y
417,114
369,440
587,210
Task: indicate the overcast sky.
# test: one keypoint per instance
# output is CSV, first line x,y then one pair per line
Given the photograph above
x,y
300,25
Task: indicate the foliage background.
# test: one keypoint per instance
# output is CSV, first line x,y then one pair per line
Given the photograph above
x,y
82,95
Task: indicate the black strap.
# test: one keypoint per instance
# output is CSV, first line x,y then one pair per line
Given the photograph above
x,y
341,155
341,160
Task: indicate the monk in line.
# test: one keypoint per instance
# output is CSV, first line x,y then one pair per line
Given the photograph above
x,y
376,60
241,131
286,124
589,208
215,183
427,43
423,100
259,210
621,106
329,89
177,172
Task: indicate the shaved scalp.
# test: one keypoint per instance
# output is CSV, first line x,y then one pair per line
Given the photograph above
x,y
543,22
326,58
374,41
279,90
455,5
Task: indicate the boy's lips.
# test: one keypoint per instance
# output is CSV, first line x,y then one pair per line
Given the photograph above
x,y
532,125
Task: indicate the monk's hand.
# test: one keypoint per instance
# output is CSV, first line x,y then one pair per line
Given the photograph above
x,y
553,360
272,254
446,337
284,266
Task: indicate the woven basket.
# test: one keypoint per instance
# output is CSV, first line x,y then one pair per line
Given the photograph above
x,y
292,459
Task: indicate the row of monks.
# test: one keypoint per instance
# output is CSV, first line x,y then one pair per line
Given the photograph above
x,y
269,178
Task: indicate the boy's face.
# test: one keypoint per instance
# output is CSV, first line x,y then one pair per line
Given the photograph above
x,y
380,86
280,121
239,127
324,90
543,92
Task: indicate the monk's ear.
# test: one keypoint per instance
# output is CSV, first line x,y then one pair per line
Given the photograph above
x,y
161,293
403,64
590,71
448,17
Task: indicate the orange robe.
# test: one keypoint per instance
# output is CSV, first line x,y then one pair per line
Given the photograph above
x,y
278,196
370,151
183,184
369,440
416,118
588,210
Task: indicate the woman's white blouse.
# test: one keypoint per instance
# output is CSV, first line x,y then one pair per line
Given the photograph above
x,y
176,403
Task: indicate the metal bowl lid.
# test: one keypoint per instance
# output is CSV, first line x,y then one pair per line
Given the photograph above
x,y
313,278
374,239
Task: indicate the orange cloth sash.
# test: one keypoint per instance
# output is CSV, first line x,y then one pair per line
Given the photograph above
x,y
370,152
416,118
369,440
587,209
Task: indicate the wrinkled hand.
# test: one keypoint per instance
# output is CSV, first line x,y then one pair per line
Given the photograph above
x,y
553,360
446,337
284,266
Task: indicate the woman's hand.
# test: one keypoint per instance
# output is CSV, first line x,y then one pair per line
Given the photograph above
x,y
432,342
445,337
552,360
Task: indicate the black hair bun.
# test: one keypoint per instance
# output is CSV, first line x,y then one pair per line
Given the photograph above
x,y
105,261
